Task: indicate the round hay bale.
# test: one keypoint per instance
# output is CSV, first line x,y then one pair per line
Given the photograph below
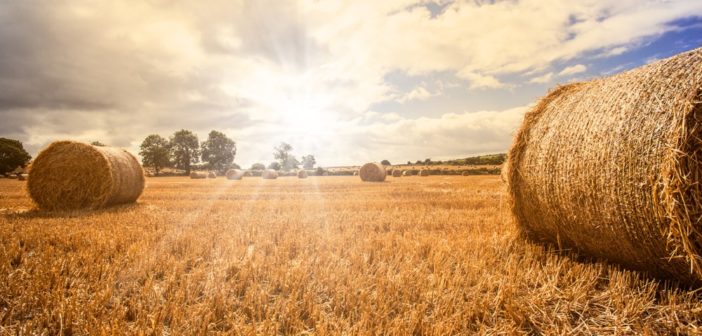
x,y
269,174
465,173
234,174
71,175
611,168
211,175
302,174
407,173
372,172
355,173
198,175
424,172
396,173
22,177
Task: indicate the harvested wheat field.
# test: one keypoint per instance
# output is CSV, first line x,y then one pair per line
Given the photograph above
x,y
323,255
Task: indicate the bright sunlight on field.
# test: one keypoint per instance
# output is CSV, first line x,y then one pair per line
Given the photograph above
x,y
325,255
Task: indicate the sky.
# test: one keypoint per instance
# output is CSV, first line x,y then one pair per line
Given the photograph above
x,y
347,81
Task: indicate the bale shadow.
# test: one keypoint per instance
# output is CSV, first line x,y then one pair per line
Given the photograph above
x,y
36,213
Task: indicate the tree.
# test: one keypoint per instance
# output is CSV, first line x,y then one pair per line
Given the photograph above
x,y
97,143
286,160
258,166
218,151
184,149
12,155
427,161
308,161
155,152
385,163
409,163
274,165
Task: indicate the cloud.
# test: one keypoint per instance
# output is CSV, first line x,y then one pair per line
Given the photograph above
x,y
542,79
303,71
572,70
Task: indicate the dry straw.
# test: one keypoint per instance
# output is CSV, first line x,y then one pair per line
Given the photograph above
x,y
234,174
198,175
611,168
71,175
269,174
372,172
396,173
302,174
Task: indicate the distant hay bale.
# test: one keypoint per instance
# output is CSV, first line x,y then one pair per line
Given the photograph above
x,y
198,175
396,173
424,172
269,174
234,174
465,173
355,173
372,172
211,175
71,175
302,174
22,177
612,168
407,173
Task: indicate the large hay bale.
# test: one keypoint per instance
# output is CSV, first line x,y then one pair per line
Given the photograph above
x,y
234,174
302,174
611,168
269,174
396,173
198,175
424,172
71,175
372,172
211,174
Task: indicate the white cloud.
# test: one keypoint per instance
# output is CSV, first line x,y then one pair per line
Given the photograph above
x,y
478,81
542,79
572,70
418,93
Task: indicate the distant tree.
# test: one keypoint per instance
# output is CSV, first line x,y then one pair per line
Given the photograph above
x,y
97,143
308,161
286,160
385,163
12,155
258,166
155,152
185,149
218,151
409,163
427,161
274,165
233,166
418,162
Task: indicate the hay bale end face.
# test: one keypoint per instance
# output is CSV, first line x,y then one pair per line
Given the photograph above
x,y
198,175
71,175
611,168
269,174
302,174
424,172
211,175
396,173
234,174
372,172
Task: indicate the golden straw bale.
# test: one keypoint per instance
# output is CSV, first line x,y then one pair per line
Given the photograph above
x,y
302,174
71,175
396,173
611,168
424,172
372,172
465,173
211,174
269,174
406,173
198,175
235,174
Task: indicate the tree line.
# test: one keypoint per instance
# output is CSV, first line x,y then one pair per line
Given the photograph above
x,y
183,150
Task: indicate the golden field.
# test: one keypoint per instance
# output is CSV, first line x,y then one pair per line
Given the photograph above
x,y
435,255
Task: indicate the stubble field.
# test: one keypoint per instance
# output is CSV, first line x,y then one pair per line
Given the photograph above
x,y
327,255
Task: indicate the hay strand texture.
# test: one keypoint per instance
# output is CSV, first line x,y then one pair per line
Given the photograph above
x,y
71,175
372,172
269,174
611,168
302,174
235,174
